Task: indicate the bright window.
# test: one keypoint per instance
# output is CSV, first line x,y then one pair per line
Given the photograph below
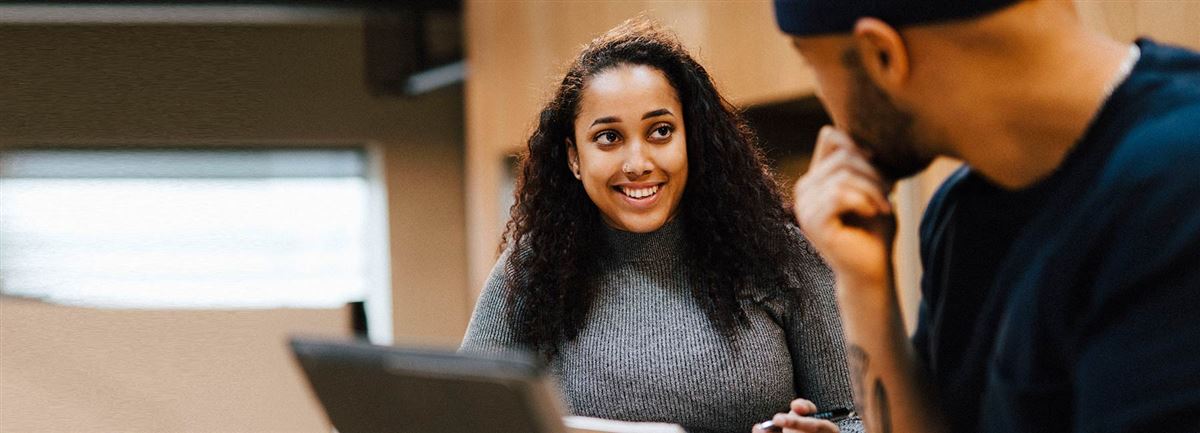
x,y
188,229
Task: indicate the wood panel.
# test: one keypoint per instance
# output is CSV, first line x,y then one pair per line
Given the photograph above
x,y
69,369
517,50
196,85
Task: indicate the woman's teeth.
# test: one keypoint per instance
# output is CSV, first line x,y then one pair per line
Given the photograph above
x,y
640,192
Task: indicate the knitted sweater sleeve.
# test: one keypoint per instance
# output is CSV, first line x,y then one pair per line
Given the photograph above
x,y
815,338
491,328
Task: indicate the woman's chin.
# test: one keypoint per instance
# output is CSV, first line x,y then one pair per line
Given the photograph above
x,y
638,223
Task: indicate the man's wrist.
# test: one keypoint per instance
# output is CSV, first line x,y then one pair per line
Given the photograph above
x,y
864,292
862,282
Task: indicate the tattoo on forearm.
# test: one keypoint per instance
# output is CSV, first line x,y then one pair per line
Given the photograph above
x,y
881,408
858,363
877,414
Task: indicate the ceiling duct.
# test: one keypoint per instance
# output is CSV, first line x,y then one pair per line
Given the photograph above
x,y
413,49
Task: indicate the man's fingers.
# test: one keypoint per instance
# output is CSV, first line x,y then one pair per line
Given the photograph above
x,y
843,160
829,140
845,181
847,160
851,202
840,183
836,194
821,220
854,161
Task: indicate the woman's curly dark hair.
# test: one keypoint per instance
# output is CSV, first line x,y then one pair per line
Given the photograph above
x,y
734,221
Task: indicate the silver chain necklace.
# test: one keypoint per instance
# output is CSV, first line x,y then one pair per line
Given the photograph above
x,y
1131,59
1123,72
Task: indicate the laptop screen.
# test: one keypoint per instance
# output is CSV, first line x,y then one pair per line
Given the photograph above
x,y
376,389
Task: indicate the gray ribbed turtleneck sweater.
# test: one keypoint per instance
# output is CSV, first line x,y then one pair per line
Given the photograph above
x,y
649,352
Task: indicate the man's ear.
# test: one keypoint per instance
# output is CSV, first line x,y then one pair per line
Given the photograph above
x,y
572,158
883,54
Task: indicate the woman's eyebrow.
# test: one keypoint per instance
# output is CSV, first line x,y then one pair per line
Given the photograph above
x,y
609,119
658,112
615,119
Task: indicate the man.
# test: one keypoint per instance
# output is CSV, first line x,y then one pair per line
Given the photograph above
x,y
1062,262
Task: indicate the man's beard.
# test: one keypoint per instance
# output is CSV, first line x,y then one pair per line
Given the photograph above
x,y
881,128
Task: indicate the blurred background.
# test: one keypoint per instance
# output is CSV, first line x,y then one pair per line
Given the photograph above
x,y
184,185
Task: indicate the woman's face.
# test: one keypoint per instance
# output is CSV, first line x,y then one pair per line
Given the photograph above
x,y
630,148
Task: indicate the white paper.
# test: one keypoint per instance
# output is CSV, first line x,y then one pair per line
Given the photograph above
x,y
583,424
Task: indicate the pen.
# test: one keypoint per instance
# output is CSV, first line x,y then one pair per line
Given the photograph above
x,y
832,415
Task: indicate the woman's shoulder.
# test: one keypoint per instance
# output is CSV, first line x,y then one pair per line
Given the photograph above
x,y
513,257
498,289
805,263
802,271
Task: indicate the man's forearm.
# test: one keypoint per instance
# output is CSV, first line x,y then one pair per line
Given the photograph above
x,y
890,390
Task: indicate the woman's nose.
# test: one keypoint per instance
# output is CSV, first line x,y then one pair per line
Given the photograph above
x,y
637,162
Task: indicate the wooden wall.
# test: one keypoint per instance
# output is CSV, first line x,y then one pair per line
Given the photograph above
x,y
251,84
65,369
518,50
68,369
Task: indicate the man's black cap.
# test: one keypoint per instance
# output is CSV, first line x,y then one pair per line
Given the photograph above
x,y
818,17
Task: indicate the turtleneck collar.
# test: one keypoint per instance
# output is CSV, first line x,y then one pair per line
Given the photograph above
x,y
664,243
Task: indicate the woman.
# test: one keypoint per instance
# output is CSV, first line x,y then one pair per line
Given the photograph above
x,y
650,258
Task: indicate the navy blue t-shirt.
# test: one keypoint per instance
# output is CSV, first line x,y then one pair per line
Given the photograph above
x,y
966,233
1074,305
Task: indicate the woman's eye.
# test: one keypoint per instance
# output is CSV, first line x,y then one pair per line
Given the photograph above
x,y
661,132
607,137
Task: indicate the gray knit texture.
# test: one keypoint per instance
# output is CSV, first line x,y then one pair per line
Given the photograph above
x,y
648,352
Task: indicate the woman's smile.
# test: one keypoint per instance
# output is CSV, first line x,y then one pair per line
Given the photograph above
x,y
639,196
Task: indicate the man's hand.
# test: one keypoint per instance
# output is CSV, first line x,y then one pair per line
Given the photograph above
x,y
841,205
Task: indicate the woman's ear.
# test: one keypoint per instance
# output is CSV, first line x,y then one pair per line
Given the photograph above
x,y
572,158
882,53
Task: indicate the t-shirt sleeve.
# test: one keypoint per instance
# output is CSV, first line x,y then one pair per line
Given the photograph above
x,y
1136,364
491,328
930,236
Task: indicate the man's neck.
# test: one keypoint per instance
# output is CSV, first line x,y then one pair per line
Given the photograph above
x,y
1031,119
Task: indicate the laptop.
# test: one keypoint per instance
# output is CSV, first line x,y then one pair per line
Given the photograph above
x,y
376,389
